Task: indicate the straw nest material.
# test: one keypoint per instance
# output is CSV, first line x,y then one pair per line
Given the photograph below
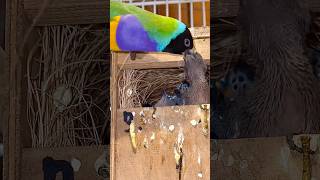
x,y
68,83
145,87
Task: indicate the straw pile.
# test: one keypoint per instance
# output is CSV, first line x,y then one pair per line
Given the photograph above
x,y
68,83
145,87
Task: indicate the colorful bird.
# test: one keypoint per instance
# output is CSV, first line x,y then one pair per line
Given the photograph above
x,y
133,29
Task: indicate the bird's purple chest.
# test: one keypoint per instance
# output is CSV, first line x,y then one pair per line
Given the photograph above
x,y
131,36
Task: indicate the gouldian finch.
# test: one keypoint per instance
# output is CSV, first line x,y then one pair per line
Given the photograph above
x,y
133,29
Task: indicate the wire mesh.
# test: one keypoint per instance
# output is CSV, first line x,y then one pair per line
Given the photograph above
x,y
154,5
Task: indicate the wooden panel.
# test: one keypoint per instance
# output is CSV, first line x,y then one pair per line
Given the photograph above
x,y
261,158
4,91
162,60
114,107
67,11
2,22
229,8
32,161
154,158
11,125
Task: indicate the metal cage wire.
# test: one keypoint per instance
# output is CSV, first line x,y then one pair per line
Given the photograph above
x,y
155,3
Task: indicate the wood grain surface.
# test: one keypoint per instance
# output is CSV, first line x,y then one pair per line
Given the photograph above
x,y
154,158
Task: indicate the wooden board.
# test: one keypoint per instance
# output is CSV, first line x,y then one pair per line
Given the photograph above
x,y
114,107
2,22
32,161
261,158
154,157
11,125
4,91
230,8
60,12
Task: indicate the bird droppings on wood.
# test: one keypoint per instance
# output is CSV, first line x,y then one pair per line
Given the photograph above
x,y
194,123
171,128
153,137
145,143
166,134
199,158
142,114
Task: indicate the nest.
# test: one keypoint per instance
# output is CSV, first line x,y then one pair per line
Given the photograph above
x,y
145,87
68,83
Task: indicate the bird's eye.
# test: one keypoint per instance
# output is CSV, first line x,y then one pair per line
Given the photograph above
x,y
187,42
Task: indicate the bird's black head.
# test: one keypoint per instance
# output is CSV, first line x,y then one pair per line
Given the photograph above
x,y
181,43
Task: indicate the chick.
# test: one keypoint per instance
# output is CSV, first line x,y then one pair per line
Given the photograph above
x,y
196,88
237,81
167,100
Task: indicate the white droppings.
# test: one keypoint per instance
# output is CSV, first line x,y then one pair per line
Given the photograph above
x,y
154,116
180,138
199,158
161,141
194,123
153,136
171,128
133,114
145,142
76,164
144,120
139,131
142,113
200,175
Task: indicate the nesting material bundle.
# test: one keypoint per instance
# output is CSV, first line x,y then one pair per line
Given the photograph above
x,y
145,87
68,87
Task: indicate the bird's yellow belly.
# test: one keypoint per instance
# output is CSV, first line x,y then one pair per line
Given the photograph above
x,y
113,33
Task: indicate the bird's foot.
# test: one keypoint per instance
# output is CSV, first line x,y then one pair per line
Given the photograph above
x,y
133,55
